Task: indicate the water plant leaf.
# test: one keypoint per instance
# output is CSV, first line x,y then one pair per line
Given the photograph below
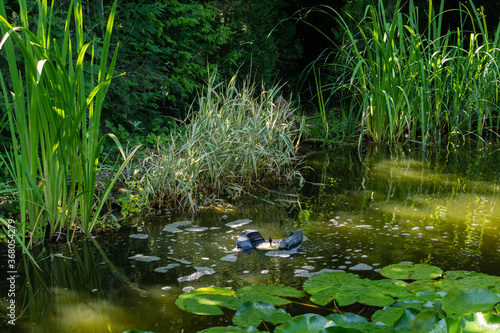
x,y
269,293
424,321
421,285
253,313
388,315
394,288
328,280
481,322
355,323
309,322
207,301
403,324
460,274
229,329
407,271
457,302
339,329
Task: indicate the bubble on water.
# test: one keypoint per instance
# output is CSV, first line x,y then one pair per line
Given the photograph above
x,y
164,269
434,239
361,267
364,226
308,267
246,272
166,288
229,258
347,262
265,271
238,223
429,227
138,236
205,258
415,228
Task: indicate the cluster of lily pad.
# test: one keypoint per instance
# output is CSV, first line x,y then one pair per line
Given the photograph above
x,y
411,298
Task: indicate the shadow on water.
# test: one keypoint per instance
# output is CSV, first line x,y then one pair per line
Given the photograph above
x,y
359,212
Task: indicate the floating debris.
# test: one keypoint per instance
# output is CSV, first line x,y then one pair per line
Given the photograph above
x,y
229,257
164,269
200,271
361,267
141,257
173,226
187,289
185,262
238,223
138,236
198,229
265,271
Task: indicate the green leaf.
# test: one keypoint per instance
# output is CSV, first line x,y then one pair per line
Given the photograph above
x,y
481,322
309,322
253,313
424,321
388,315
447,325
207,301
269,293
406,271
421,285
353,321
403,324
458,302
229,329
328,280
342,294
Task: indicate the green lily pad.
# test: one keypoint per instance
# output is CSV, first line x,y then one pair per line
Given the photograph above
x,y
406,271
394,288
328,280
403,324
457,302
309,322
230,329
355,322
460,274
253,313
388,315
425,321
269,293
207,301
481,322
421,285
339,329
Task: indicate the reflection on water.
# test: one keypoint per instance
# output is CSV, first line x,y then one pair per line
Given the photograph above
x,y
359,213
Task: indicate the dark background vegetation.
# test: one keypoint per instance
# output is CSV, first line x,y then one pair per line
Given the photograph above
x,y
167,48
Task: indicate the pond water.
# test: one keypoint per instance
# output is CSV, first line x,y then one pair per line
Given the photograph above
x,y
359,212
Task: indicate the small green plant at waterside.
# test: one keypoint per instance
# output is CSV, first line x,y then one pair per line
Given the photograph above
x,y
408,84
239,138
54,110
412,298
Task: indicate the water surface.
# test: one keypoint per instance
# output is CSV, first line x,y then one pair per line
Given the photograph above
x,y
359,211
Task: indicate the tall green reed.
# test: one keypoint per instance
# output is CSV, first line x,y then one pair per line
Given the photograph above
x,y
411,84
54,109
239,137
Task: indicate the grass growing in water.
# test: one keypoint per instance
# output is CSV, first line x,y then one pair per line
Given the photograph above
x,y
237,138
407,85
54,110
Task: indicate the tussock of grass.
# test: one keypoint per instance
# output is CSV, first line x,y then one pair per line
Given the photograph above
x,y
408,84
238,138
